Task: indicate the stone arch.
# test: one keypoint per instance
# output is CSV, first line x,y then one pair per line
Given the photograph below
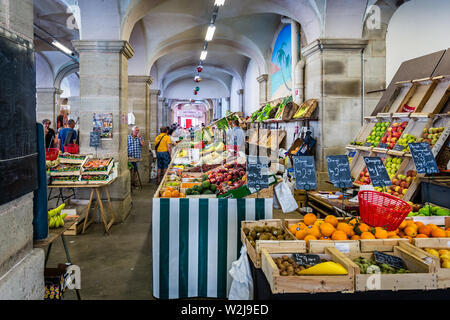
x,y
65,71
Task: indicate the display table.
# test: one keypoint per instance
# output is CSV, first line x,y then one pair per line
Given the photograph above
x,y
326,206
131,160
52,236
97,188
195,242
261,291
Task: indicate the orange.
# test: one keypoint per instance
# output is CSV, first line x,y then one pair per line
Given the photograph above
x,y
301,234
402,225
182,195
167,194
339,235
401,234
433,226
175,194
419,224
364,227
314,230
170,189
438,233
318,222
331,220
326,229
355,237
293,228
367,235
421,235
347,228
324,238
394,237
309,237
410,231
426,230
309,219
302,225
353,221
408,237
391,234
381,233
447,233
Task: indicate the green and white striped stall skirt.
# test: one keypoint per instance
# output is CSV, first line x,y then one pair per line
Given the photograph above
x,y
195,242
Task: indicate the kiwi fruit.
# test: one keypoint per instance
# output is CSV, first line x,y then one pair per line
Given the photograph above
x,y
280,237
275,232
291,261
264,237
284,273
285,258
258,229
273,238
252,242
253,234
267,229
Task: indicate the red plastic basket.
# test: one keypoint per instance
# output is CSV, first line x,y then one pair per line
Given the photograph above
x,y
51,154
72,148
379,209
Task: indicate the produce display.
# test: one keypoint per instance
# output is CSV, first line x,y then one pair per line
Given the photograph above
x,y
288,267
393,133
95,178
171,192
428,210
229,177
364,177
442,254
405,139
377,133
65,179
265,233
55,218
401,183
71,158
392,165
431,135
330,228
65,170
369,266
49,163
98,166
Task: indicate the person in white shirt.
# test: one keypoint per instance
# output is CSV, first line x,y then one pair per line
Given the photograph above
x,y
238,137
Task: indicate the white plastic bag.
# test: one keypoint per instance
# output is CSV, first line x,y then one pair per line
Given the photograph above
x,y
285,197
242,285
276,204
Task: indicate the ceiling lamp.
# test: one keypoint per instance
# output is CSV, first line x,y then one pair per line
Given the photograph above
x,y
219,3
199,69
197,79
210,32
62,47
203,55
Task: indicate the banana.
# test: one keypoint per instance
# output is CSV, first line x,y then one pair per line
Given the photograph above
x,y
52,213
52,223
58,210
63,215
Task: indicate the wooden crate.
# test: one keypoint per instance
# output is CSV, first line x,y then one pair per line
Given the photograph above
x,y
366,129
440,120
443,274
278,246
383,245
397,119
264,193
438,98
309,283
415,127
319,246
422,276
420,92
77,227
399,94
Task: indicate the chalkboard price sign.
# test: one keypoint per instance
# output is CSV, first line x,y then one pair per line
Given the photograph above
x,y
423,158
257,172
399,148
305,173
306,259
94,139
339,171
377,172
382,145
367,144
388,259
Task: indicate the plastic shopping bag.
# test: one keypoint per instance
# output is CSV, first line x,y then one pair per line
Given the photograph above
x,y
285,197
242,285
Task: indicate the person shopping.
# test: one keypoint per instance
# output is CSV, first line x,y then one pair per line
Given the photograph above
x,y
135,144
49,134
163,149
67,136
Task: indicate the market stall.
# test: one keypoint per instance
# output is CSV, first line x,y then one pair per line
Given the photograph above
x,y
197,213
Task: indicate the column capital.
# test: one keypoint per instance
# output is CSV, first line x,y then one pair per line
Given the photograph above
x,y
49,90
155,92
105,46
140,79
334,44
262,78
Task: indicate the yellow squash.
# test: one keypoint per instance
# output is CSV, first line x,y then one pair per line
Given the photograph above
x,y
325,268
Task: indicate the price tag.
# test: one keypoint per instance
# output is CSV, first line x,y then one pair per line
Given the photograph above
x,y
377,172
399,148
305,173
367,144
339,171
306,259
94,139
342,247
391,260
257,172
382,145
423,158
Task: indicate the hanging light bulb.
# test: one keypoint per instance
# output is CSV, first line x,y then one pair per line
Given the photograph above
x,y
197,79
199,69
210,32
203,55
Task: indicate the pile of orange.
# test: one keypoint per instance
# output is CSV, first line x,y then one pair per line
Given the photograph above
x,y
331,228
172,193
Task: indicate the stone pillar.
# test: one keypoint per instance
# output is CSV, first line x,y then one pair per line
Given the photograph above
x,y
47,105
228,106
139,104
240,93
21,266
154,115
263,88
333,76
295,29
104,89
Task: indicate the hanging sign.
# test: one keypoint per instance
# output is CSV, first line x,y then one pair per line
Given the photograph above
x,y
423,158
305,173
257,172
377,172
339,171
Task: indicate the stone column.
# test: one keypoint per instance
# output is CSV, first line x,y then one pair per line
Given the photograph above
x,y
47,104
139,104
333,76
104,89
263,88
295,29
240,93
154,116
21,266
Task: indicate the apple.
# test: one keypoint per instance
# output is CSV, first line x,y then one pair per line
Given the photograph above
x,y
404,191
